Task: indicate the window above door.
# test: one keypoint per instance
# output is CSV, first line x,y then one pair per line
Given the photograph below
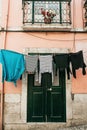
x,y
46,14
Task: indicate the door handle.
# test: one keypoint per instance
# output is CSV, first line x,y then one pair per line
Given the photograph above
x,y
49,89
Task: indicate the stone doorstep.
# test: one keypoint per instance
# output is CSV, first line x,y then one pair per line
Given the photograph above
x,y
42,127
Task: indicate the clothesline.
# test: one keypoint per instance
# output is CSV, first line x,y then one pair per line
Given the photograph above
x,y
14,64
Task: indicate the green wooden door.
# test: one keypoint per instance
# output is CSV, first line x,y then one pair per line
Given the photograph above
x,y
46,103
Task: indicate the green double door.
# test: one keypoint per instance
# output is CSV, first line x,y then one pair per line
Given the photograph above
x,y
46,102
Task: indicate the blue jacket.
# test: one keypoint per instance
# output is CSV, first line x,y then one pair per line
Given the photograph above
x,y
13,65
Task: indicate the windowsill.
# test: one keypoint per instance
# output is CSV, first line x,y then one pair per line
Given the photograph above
x,y
85,29
46,27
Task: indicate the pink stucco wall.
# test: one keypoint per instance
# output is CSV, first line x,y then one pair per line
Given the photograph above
x,y
79,85
48,40
17,41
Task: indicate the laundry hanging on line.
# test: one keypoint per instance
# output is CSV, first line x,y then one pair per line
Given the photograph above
x,y
31,63
63,61
45,65
14,64
77,62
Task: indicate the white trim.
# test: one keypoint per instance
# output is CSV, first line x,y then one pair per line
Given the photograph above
x,y
45,27
46,50
24,85
24,99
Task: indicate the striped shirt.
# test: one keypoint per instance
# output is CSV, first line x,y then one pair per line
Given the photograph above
x,y
31,63
45,65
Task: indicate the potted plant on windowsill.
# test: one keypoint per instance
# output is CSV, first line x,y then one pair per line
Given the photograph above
x,y
48,15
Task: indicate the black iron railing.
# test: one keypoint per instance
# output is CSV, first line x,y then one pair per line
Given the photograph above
x,y
47,11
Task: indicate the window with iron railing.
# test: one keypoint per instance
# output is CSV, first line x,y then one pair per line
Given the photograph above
x,y
47,12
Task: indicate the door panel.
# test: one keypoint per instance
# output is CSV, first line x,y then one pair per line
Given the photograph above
x,y
56,100
37,106
46,103
35,102
55,106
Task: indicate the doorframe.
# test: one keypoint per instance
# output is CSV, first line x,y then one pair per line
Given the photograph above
x,y
24,85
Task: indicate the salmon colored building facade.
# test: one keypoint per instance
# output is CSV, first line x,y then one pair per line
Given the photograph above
x,y
24,30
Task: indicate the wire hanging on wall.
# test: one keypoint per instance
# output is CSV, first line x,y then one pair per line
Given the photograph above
x,y
56,39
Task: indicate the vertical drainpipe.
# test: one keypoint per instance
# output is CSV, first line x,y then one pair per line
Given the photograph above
x,y
4,47
6,26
